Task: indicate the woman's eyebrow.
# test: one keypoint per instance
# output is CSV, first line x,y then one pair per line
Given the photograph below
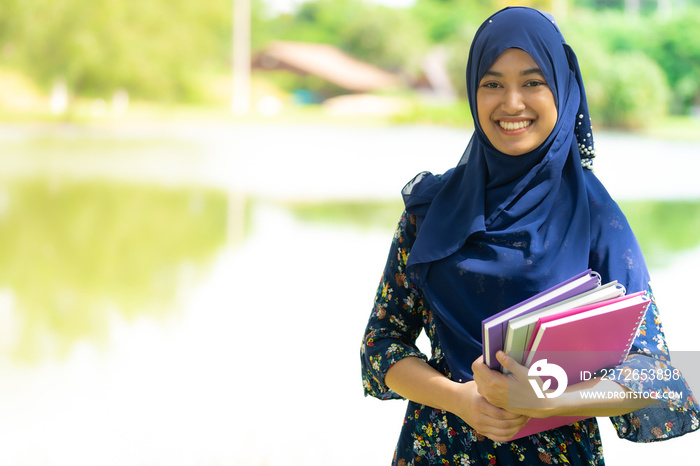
x,y
493,73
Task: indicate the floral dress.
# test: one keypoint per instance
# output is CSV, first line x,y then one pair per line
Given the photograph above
x,y
433,436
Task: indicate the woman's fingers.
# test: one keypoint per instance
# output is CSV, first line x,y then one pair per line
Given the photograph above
x,y
495,412
493,422
501,430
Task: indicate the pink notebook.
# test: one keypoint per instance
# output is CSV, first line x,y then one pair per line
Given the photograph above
x,y
597,337
570,312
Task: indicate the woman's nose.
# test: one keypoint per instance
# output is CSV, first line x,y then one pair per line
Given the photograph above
x,y
513,101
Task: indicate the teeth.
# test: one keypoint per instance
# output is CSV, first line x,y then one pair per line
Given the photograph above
x,y
511,125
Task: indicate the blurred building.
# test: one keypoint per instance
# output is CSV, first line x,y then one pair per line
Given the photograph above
x,y
328,63
325,74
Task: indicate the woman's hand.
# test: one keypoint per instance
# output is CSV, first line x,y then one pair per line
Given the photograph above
x,y
512,392
491,421
414,379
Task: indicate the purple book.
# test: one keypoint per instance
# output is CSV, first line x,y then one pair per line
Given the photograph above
x,y
493,329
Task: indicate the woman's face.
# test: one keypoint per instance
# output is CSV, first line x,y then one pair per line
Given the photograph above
x,y
515,105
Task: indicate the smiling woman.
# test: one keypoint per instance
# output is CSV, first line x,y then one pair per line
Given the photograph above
x,y
496,230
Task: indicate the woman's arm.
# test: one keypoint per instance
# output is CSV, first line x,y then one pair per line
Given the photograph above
x,y
514,392
598,397
414,379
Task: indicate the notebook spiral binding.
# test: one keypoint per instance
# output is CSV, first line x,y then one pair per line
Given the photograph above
x,y
633,335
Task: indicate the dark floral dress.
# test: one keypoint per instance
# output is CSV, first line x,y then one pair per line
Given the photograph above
x,y
432,436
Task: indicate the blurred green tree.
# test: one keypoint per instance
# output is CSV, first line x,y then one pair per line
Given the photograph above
x,y
676,48
671,43
154,49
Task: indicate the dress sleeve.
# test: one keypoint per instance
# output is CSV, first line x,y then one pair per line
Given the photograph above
x,y
396,319
650,373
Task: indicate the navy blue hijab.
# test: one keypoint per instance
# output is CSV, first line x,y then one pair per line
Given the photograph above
x,y
497,229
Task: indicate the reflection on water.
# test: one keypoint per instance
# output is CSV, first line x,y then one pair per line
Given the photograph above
x,y
665,229
73,253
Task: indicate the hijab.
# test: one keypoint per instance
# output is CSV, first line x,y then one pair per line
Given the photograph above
x,y
498,229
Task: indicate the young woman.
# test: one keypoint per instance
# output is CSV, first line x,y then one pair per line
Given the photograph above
x,y
520,213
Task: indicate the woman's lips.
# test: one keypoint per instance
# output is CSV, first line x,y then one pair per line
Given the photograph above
x,y
514,125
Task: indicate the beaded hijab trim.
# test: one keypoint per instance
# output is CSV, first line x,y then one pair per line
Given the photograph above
x,y
585,144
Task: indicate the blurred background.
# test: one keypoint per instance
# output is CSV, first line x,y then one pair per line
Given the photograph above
x,y
197,200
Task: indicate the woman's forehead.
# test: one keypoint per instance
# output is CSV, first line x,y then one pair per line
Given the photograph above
x,y
513,58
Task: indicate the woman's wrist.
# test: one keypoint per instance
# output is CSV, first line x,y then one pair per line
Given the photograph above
x,y
416,380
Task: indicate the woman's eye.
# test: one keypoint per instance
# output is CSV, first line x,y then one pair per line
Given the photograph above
x,y
490,85
535,83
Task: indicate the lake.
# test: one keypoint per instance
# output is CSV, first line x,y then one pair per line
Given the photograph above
x,y
196,294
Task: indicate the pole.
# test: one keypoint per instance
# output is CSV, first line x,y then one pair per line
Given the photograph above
x,y
240,102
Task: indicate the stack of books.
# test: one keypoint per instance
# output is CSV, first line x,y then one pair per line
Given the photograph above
x,y
581,325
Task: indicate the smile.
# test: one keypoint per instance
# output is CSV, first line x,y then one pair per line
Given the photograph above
x,y
513,125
